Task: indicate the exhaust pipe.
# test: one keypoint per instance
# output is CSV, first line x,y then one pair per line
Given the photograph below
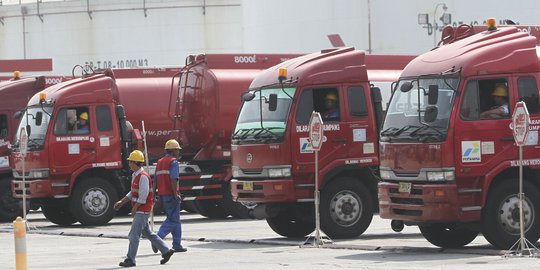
x,y
397,225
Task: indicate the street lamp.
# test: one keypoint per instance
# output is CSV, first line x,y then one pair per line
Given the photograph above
x,y
446,19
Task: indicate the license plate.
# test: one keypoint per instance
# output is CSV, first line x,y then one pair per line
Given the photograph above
x,y
405,187
248,186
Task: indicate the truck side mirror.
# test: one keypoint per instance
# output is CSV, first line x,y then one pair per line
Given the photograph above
x,y
272,102
406,87
18,115
248,96
39,118
433,94
430,115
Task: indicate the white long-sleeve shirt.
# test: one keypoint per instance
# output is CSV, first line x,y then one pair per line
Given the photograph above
x,y
144,187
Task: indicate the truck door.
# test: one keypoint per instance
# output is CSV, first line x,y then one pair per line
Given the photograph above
x,y
329,102
73,141
108,152
359,129
528,92
482,134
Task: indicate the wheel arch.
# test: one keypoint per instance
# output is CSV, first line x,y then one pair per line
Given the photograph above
x,y
111,176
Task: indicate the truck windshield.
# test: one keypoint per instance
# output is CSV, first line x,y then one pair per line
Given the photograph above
x,y
257,124
405,116
38,129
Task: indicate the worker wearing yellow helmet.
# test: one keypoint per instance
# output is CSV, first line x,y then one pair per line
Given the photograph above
x,y
82,124
500,99
167,177
141,197
331,107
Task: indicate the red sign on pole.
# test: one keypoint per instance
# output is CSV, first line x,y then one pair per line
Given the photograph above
x,y
316,131
520,123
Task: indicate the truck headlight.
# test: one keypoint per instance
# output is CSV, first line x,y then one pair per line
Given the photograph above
x,y
236,172
39,173
385,175
279,172
441,176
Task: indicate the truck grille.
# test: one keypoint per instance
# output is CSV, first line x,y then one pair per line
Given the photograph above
x,y
407,201
252,171
414,191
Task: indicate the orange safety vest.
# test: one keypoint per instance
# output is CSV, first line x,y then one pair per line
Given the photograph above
x,y
147,207
163,176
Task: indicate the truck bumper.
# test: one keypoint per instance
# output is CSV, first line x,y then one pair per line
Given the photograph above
x,y
264,191
424,204
41,188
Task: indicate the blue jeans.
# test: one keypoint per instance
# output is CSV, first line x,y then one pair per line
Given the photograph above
x,y
138,227
172,223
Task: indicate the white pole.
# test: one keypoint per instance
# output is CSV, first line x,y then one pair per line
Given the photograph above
x,y
317,201
147,164
521,195
24,186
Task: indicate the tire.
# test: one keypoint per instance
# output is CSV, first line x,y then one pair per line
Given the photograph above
x,y
236,209
92,201
289,224
500,216
10,208
447,235
346,208
189,206
58,213
212,208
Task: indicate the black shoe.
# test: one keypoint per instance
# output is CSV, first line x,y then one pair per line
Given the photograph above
x,y
182,249
166,256
127,263
154,248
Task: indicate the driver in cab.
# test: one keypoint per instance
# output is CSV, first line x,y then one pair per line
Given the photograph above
x,y
500,109
331,112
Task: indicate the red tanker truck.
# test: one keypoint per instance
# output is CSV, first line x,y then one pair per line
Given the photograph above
x,y
78,176
449,167
14,95
273,160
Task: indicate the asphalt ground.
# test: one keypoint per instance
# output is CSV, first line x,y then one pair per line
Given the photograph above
x,y
245,244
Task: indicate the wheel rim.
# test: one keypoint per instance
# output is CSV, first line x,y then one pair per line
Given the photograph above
x,y
346,208
509,214
95,201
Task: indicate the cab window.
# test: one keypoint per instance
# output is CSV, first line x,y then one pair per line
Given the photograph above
x,y
322,100
71,121
528,92
3,126
486,100
357,101
103,117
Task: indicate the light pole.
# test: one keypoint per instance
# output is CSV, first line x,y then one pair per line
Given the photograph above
x,y
432,28
435,25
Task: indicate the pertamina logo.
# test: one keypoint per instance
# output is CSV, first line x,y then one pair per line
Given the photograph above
x,y
305,146
470,151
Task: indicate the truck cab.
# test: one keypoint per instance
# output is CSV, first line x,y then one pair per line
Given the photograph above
x,y
448,157
273,161
77,144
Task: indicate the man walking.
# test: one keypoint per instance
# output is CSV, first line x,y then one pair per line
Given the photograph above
x,y
142,200
167,174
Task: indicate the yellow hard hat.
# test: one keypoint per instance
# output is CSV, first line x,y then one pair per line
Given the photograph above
x,y
330,96
16,74
500,91
136,156
84,116
172,144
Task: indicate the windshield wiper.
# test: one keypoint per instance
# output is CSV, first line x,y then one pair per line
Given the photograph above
x,y
397,131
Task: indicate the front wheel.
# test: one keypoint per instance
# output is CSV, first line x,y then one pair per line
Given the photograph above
x,y
447,235
212,208
346,208
291,223
92,201
500,216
